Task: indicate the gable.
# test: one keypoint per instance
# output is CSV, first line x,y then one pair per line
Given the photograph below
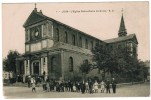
x,y
123,38
33,18
135,39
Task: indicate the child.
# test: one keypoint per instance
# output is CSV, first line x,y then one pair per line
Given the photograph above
x,y
87,87
33,87
96,87
48,87
102,86
74,88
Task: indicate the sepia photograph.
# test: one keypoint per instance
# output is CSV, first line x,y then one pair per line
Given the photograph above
x,y
75,50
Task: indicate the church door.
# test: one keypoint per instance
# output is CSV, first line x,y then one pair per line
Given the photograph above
x,y
36,68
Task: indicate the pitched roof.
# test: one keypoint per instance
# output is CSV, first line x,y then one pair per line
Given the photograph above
x,y
34,17
123,38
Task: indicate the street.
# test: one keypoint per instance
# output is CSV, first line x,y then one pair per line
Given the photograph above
x,y
137,90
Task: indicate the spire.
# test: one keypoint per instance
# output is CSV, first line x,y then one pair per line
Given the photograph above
x,y
122,29
35,9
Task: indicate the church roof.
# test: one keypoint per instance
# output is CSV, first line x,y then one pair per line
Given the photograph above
x,y
123,38
36,17
65,46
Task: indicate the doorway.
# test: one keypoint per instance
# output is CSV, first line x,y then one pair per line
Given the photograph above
x,y
36,68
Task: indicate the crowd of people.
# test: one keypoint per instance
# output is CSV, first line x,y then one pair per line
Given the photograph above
x,y
76,86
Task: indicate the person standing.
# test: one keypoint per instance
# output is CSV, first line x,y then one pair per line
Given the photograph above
x,y
33,87
44,73
44,86
48,86
24,78
83,87
87,87
78,87
107,86
90,86
28,81
96,87
62,86
74,87
32,80
102,86
114,85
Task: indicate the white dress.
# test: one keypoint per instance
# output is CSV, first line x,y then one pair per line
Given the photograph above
x,y
96,86
74,88
87,86
102,85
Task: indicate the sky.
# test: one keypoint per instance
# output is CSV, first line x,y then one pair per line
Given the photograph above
x,y
103,23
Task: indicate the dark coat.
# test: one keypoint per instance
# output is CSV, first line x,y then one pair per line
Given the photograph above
x,y
107,84
83,87
113,83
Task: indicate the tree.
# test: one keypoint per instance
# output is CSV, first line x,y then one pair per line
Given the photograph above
x,y
114,60
99,57
106,59
9,63
5,64
142,70
85,68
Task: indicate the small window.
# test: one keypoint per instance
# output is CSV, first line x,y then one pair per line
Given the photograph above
x,y
91,45
66,37
86,43
134,50
80,41
71,64
73,39
130,47
57,34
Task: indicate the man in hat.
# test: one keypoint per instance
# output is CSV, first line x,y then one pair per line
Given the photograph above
x,y
114,85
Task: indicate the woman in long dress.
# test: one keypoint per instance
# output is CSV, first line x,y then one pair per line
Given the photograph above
x,y
96,87
87,87
102,86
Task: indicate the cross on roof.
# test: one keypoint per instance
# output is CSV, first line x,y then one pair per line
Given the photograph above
x,y
35,5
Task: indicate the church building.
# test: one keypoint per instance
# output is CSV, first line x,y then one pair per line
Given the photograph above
x,y
58,50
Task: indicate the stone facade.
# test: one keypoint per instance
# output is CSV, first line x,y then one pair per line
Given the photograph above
x,y
55,48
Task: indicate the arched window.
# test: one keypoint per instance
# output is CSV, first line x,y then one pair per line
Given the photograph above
x,y
66,37
80,41
71,64
73,39
57,34
130,46
86,43
53,64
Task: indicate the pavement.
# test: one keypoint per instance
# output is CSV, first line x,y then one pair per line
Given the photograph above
x,y
136,90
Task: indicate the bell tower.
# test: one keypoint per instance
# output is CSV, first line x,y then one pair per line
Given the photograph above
x,y
122,30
